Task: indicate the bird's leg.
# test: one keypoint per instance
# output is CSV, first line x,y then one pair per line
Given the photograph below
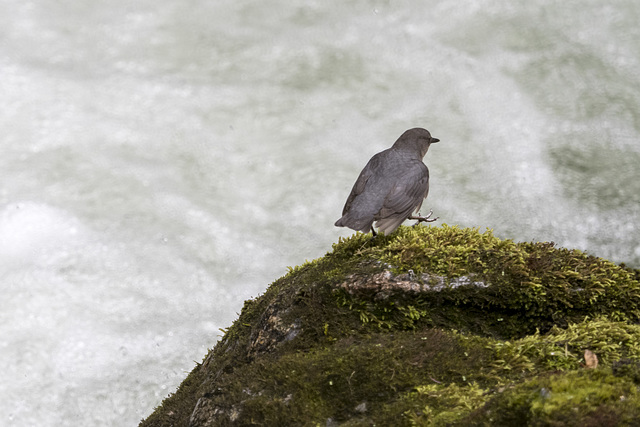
x,y
423,218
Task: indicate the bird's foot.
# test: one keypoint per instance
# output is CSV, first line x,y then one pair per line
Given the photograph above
x,y
423,218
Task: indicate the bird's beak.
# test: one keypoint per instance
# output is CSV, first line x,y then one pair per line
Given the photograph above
x,y
434,140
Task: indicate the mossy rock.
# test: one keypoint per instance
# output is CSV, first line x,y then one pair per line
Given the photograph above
x,y
427,326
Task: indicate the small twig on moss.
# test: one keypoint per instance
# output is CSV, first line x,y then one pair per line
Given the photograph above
x,y
434,380
349,381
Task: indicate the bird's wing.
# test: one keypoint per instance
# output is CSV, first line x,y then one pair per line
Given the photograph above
x,y
361,182
409,192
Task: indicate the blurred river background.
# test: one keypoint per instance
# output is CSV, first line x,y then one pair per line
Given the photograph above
x,y
161,162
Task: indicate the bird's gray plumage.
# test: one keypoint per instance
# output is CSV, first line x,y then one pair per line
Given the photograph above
x,y
391,187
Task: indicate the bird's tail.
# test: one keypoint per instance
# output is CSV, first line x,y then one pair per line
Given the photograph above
x,y
358,225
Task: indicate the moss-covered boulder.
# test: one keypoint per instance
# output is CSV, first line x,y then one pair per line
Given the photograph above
x,y
427,326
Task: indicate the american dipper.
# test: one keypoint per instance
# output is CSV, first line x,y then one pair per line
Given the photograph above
x,y
391,187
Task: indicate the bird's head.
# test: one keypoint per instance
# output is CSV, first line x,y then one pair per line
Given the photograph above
x,y
417,140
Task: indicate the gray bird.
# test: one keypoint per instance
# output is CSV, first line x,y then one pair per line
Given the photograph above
x,y
391,187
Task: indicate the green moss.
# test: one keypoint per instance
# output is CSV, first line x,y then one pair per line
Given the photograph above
x,y
563,349
339,340
431,377
580,398
627,368
529,285
444,404
373,377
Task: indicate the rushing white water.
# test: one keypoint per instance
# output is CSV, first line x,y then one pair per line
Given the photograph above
x,y
161,162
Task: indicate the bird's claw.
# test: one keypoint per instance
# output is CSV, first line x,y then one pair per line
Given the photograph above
x,y
426,218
